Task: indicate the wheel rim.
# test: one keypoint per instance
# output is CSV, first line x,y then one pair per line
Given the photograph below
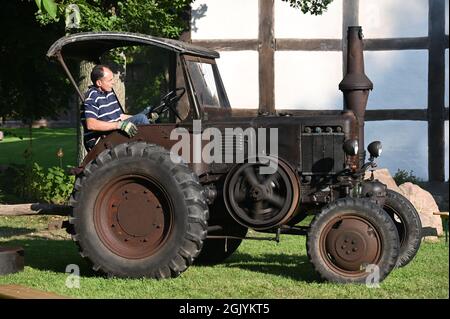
x,y
259,200
133,216
349,243
398,222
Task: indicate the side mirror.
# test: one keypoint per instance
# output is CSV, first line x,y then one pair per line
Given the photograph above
x,y
375,149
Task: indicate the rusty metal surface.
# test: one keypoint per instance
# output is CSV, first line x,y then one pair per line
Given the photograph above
x,y
348,243
356,85
133,217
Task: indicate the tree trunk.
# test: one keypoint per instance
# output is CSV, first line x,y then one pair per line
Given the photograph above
x,y
34,209
119,87
83,84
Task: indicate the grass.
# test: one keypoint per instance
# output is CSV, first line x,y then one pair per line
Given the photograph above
x,y
259,269
46,143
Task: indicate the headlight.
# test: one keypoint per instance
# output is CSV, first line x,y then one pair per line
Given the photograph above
x,y
375,149
351,147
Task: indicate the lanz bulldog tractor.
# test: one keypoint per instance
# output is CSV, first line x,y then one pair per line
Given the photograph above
x,y
141,208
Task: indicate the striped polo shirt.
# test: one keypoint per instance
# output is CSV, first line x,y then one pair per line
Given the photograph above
x,y
99,105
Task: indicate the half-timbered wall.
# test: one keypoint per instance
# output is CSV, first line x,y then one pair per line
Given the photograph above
x,y
275,58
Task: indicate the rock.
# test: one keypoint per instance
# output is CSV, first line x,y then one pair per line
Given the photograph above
x,y
385,177
425,204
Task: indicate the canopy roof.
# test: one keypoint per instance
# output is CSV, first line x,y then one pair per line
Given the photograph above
x,y
91,45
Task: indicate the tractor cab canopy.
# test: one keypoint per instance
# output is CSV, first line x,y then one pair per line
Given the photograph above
x,y
191,67
91,45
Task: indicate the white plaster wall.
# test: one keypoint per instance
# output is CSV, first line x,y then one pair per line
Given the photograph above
x,y
308,80
393,18
446,15
225,19
400,78
239,72
405,145
292,23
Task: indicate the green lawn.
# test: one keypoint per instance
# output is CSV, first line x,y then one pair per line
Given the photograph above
x,y
259,269
46,143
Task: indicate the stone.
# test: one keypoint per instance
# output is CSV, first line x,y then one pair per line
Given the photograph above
x,y
385,177
425,204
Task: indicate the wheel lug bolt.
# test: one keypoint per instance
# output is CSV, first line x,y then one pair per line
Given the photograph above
x,y
343,246
355,249
348,252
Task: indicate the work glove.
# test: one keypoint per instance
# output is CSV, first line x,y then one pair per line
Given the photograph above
x,y
153,117
129,128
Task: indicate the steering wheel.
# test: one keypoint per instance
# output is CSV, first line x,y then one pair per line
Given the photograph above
x,y
168,102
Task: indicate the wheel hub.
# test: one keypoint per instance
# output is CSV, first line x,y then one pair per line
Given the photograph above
x,y
133,217
351,243
138,213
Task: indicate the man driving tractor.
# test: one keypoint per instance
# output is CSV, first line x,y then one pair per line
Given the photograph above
x,y
102,111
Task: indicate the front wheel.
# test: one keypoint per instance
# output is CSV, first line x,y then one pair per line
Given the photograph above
x,y
350,239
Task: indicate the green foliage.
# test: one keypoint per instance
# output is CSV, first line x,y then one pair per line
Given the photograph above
x,y
30,86
35,183
48,6
159,18
403,176
315,7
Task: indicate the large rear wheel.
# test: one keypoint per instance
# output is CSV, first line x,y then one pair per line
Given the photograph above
x,y
216,248
138,214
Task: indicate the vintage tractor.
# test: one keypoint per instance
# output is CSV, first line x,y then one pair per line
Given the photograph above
x,y
145,207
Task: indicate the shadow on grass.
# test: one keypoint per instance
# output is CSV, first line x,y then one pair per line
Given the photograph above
x,y
52,255
6,232
56,255
295,267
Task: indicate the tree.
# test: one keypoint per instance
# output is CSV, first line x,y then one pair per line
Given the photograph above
x,y
30,88
315,7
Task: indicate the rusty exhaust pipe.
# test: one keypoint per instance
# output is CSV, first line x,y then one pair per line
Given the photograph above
x,y
356,85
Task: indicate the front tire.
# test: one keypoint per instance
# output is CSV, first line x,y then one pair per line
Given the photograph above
x,y
408,224
348,238
138,214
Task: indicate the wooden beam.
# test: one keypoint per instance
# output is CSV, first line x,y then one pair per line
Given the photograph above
x,y
266,56
397,114
420,43
34,209
436,90
308,44
23,292
371,115
228,45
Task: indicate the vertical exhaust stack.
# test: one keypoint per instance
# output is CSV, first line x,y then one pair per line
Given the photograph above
x,y
356,85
